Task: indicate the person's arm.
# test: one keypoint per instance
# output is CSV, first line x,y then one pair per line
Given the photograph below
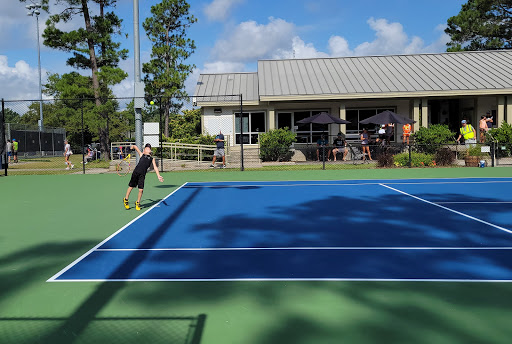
x,y
474,131
137,149
160,178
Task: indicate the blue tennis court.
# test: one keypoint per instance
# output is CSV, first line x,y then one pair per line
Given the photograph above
x,y
422,229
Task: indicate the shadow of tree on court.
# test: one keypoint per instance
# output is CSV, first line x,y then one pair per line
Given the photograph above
x,y
331,312
34,264
75,327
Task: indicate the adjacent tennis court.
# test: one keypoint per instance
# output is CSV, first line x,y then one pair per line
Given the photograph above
x,y
387,230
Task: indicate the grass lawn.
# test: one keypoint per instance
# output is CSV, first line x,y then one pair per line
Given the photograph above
x,y
49,221
52,165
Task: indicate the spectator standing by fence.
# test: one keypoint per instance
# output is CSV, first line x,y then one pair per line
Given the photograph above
x,y
407,132
365,141
219,151
468,132
67,155
15,150
484,126
9,151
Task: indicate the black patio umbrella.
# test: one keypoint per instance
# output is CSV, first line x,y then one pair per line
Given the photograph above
x,y
323,118
387,117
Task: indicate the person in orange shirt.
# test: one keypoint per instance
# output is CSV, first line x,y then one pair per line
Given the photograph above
x,y
407,131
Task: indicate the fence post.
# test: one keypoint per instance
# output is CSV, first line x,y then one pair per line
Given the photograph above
x,y
161,136
83,140
493,152
3,136
410,156
241,134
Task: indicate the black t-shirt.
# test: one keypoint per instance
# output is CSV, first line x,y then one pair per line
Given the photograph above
x,y
143,165
339,143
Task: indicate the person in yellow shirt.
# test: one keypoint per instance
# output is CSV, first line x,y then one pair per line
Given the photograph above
x,y
468,132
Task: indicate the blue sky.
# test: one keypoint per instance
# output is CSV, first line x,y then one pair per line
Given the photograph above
x,y
231,35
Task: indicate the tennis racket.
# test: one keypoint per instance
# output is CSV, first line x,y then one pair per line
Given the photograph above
x,y
124,166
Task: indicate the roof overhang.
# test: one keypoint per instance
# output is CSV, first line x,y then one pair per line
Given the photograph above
x,y
419,94
228,103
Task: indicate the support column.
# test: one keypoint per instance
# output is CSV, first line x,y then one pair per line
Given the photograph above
x,y
508,112
416,114
501,110
272,119
424,112
343,115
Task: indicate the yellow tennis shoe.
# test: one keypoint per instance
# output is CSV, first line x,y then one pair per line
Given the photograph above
x,y
137,205
126,204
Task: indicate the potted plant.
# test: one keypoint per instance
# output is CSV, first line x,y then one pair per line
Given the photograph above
x,y
474,155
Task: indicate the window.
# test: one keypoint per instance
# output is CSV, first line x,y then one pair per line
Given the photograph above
x,y
354,129
284,120
253,123
306,133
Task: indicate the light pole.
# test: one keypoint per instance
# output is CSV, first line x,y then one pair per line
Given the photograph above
x,y
33,9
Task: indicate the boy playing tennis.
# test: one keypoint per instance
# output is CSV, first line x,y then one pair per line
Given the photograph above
x,y
139,174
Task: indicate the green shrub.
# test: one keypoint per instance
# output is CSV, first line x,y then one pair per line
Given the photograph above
x,y
429,139
275,144
417,159
503,135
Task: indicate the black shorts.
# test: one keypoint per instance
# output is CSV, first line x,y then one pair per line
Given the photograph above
x,y
137,180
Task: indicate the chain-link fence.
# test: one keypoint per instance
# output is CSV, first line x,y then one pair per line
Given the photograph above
x,y
100,133
199,133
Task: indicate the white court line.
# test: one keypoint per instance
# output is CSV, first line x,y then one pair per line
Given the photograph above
x,y
288,280
451,210
297,248
397,182
473,202
54,277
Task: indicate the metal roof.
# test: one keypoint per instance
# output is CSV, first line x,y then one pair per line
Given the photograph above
x,y
458,73
211,85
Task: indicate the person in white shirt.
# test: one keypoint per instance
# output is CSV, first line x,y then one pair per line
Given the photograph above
x,y
67,154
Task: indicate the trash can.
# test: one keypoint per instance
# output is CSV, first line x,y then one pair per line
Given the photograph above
x,y
482,163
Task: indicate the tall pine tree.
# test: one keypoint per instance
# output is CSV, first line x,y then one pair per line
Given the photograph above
x,y
166,72
92,48
481,25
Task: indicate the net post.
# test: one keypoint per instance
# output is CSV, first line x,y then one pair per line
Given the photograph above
x,y
241,134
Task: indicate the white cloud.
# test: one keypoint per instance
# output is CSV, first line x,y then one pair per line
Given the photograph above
x,y
250,41
20,81
299,50
390,38
219,10
338,46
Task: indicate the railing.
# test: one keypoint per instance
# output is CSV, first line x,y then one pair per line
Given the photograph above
x,y
174,151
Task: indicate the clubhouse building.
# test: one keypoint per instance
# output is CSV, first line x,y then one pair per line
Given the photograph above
x,y
429,88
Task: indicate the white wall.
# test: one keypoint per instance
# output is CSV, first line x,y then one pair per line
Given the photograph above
x,y
213,123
